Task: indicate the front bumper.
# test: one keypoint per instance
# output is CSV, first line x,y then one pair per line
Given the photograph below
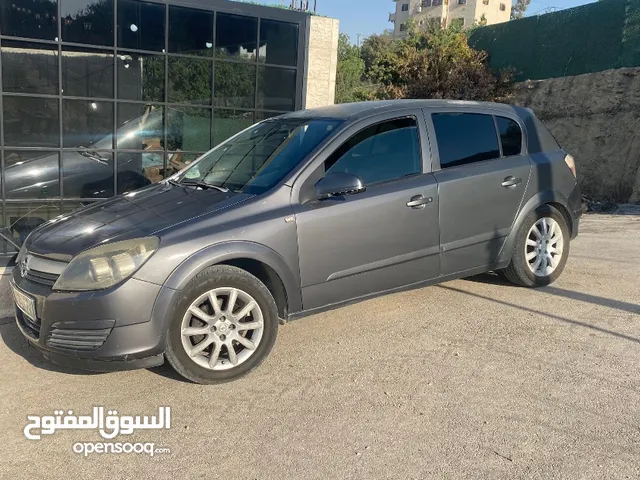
x,y
116,329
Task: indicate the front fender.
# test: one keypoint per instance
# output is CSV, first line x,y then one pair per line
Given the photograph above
x,y
235,250
541,198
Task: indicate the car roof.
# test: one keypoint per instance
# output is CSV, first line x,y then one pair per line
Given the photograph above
x,y
354,111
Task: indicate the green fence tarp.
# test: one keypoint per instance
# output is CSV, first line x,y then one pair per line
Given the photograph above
x,y
586,39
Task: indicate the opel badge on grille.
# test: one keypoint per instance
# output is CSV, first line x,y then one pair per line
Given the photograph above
x,y
24,265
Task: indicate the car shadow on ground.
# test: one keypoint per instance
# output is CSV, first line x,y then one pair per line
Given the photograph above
x,y
167,371
576,295
15,341
495,279
491,278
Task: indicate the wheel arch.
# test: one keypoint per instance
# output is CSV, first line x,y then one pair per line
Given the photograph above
x,y
257,259
550,197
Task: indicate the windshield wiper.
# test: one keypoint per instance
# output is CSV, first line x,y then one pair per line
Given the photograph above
x,y
203,185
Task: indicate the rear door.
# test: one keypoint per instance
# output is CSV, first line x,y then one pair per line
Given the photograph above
x,y
482,177
383,238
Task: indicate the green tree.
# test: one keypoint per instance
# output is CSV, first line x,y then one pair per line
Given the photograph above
x,y
350,71
520,7
375,46
438,63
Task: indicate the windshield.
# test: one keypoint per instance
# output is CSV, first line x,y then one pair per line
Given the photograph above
x,y
259,158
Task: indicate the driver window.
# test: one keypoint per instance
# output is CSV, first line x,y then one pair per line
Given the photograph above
x,y
380,153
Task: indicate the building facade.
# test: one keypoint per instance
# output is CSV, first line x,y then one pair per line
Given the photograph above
x,y
99,97
448,12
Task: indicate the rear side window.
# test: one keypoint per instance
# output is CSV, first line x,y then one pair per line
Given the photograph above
x,y
510,136
380,153
465,138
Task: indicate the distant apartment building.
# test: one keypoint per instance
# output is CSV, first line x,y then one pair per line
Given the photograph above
x,y
449,12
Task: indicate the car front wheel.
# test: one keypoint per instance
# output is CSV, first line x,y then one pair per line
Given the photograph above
x,y
225,325
541,249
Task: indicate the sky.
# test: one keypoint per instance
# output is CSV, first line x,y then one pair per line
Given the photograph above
x,y
365,17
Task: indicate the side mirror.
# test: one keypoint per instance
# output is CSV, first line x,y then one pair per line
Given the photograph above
x,y
338,184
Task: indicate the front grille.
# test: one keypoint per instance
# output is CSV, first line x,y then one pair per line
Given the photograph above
x,y
43,278
76,339
31,328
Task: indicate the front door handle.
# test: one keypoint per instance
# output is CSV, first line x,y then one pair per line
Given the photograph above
x,y
511,182
419,201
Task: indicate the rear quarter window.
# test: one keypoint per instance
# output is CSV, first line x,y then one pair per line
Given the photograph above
x,y
510,136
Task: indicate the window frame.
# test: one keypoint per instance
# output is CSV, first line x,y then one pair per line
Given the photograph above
x,y
403,9
307,174
461,110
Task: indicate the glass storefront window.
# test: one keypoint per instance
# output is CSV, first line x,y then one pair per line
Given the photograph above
x,y
30,175
88,22
189,80
140,25
260,116
93,105
235,85
279,43
30,19
226,123
22,218
29,67
140,76
176,161
31,122
140,127
87,174
139,169
87,124
236,37
190,31
276,88
188,129
87,72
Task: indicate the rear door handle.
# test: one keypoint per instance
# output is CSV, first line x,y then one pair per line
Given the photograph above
x,y
511,182
419,201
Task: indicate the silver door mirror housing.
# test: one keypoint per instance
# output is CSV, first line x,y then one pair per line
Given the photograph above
x,y
339,183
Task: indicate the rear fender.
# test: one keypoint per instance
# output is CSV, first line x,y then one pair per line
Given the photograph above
x,y
539,199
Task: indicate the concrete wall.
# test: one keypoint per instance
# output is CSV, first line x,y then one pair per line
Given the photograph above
x,y
321,60
596,118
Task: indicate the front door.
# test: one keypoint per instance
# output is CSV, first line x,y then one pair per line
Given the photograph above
x,y
385,237
482,179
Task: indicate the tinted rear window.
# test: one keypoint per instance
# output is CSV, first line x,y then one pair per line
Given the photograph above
x,y
465,138
510,136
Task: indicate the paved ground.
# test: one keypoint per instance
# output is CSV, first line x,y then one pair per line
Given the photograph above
x,y
470,379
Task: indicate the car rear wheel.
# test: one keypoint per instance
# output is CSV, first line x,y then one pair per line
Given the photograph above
x,y
541,249
225,325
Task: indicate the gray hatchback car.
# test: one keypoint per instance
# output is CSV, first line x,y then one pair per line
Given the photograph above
x,y
297,214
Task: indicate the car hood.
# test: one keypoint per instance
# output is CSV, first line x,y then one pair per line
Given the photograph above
x,y
133,215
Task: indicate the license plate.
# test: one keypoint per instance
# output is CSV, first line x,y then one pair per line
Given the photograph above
x,y
24,302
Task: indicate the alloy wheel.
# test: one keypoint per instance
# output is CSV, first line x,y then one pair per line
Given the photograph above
x,y
222,328
544,246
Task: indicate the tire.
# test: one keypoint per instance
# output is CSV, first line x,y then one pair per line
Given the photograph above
x,y
220,328
520,270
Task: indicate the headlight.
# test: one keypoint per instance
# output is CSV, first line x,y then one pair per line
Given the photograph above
x,y
104,266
